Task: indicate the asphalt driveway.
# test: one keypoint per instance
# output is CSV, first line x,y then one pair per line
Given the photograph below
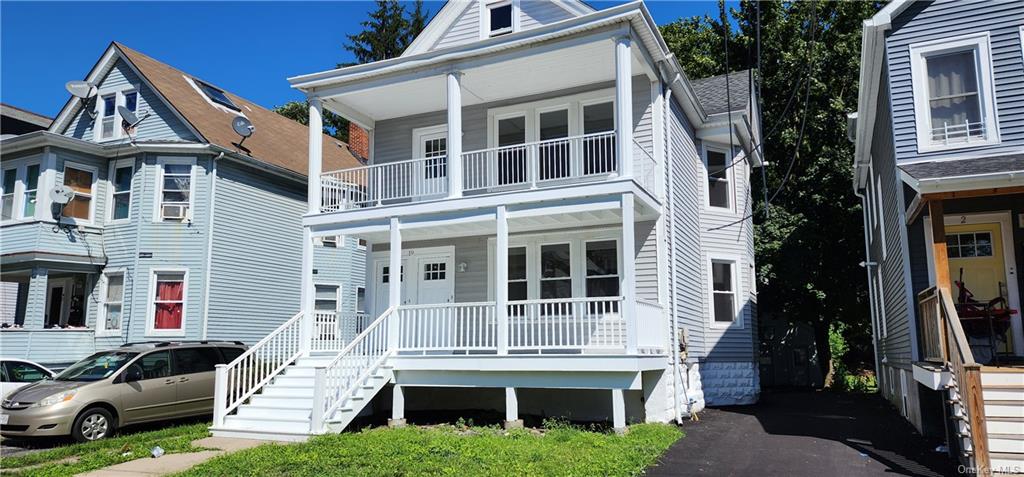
x,y
804,434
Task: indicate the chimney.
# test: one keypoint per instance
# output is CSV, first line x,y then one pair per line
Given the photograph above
x,y
358,141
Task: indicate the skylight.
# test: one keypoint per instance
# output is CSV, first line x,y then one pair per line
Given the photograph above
x,y
216,95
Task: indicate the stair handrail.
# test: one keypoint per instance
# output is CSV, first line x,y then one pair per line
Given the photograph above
x,y
966,372
332,386
238,380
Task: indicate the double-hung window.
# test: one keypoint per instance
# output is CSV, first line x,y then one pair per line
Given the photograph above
x,y
719,179
953,93
360,300
108,115
113,301
10,180
723,292
81,181
169,292
31,192
326,299
175,189
121,189
517,279
602,260
555,271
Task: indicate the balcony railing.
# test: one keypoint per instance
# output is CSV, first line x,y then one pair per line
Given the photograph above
x,y
959,133
540,164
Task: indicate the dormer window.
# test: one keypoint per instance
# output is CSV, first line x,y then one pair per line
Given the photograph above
x,y
499,18
953,93
108,110
216,95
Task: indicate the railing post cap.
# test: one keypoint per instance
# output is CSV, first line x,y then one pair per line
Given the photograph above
x,y
220,366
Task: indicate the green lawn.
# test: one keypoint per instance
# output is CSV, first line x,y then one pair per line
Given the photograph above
x,y
453,450
75,458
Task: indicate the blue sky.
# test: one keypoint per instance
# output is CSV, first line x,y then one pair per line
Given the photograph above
x,y
247,48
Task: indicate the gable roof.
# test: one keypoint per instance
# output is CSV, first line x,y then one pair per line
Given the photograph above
x,y
715,98
25,115
452,10
277,140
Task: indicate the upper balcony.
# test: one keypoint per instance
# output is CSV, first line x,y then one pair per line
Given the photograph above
x,y
560,162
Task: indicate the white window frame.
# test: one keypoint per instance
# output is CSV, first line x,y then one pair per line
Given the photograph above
x,y
119,100
337,294
356,304
92,193
485,18
618,262
361,243
730,177
151,303
101,320
158,197
337,240
111,178
574,276
16,193
23,177
919,52
734,262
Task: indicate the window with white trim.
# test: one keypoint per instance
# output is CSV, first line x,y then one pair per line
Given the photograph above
x,y
175,190
108,115
361,244
113,301
953,93
329,241
517,279
9,182
121,190
326,298
555,271
30,195
169,292
360,299
602,260
81,181
719,178
499,18
723,291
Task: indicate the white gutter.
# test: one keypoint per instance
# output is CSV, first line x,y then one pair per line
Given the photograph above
x,y
968,182
209,242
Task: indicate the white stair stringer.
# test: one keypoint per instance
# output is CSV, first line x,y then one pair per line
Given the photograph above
x,y
353,405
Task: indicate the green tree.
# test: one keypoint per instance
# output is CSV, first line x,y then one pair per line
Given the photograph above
x,y
809,242
386,34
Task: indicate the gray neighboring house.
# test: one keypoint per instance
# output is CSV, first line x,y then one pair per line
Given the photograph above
x,y
939,165
177,230
558,221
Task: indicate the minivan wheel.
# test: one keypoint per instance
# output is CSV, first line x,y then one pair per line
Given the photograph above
x,y
93,424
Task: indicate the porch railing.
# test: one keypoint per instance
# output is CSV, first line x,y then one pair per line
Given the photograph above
x,y
570,323
540,163
651,326
333,330
381,183
447,327
238,380
645,169
946,342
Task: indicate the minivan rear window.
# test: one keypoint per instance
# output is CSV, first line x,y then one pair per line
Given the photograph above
x,y
230,353
195,360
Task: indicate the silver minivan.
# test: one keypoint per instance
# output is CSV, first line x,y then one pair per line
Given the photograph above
x,y
136,383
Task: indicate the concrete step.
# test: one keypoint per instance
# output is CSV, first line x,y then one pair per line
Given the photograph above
x,y
1008,443
291,425
252,411
1003,393
1004,408
1008,377
260,435
1004,425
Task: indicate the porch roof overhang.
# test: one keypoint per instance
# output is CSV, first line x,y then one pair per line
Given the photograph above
x,y
962,178
58,261
584,205
509,66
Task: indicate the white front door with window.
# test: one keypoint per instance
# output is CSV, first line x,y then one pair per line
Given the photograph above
x,y
431,144
428,277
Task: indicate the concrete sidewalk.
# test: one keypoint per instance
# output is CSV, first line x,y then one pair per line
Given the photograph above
x,y
804,434
173,463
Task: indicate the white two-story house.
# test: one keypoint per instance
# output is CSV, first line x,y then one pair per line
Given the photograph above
x,y
558,223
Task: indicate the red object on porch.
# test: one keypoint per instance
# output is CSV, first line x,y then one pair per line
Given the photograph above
x,y
169,305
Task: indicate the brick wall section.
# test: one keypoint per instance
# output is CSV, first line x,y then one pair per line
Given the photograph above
x,y
358,141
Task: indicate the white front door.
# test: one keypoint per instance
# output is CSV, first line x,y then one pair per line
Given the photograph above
x,y
383,275
427,277
434,280
432,172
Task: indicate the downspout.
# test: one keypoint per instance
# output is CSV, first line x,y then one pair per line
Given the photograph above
x,y
677,383
209,242
871,290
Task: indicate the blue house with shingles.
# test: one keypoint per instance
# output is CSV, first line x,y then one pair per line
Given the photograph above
x,y
939,165
177,230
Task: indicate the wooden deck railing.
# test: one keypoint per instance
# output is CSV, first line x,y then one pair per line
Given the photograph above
x,y
945,342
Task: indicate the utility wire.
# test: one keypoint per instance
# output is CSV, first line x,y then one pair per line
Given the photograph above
x,y
760,107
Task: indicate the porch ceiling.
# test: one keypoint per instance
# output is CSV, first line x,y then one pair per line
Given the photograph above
x,y
517,74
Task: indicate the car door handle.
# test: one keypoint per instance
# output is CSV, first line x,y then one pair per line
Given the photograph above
x,y
169,381
183,380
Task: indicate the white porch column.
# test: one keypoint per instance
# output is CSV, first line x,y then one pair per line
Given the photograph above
x,y
501,280
624,104
316,154
397,407
512,420
394,280
454,87
618,411
307,294
628,280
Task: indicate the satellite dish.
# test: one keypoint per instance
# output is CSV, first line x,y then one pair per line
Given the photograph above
x,y
128,116
81,89
243,127
62,194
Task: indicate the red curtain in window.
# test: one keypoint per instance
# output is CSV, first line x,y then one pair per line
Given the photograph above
x,y
168,315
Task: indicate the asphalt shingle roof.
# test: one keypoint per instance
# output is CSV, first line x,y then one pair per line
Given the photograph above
x,y
964,167
715,98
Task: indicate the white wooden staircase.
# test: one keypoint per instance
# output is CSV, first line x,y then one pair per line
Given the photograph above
x,y
274,392
1003,392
